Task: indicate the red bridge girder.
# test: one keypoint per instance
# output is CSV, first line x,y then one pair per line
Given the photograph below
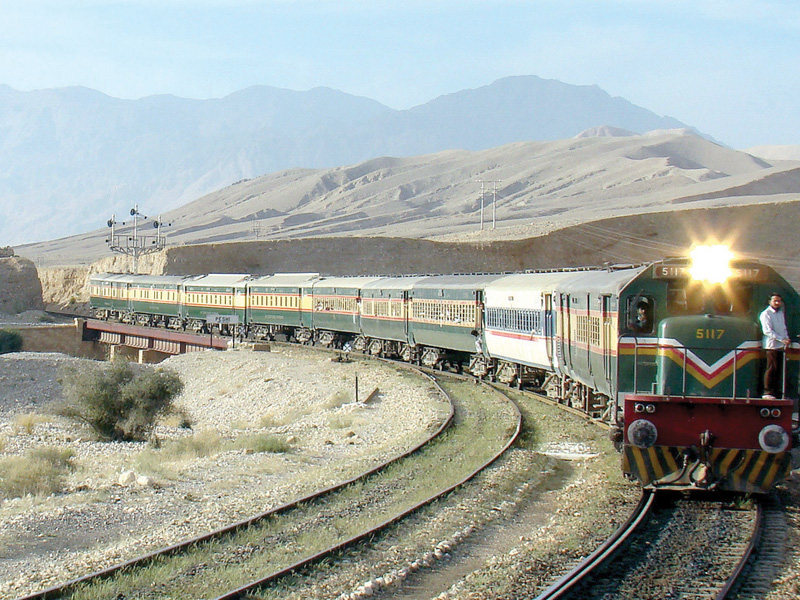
x,y
146,338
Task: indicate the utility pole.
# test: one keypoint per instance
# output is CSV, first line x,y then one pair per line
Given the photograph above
x,y
135,245
494,199
482,196
494,203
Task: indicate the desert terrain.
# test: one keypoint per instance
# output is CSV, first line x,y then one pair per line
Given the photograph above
x,y
604,196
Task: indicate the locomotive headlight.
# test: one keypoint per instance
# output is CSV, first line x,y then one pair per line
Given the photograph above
x,y
773,439
642,433
711,263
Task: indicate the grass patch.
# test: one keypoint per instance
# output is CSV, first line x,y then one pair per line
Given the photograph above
x,y
165,459
178,417
264,442
269,421
26,423
41,472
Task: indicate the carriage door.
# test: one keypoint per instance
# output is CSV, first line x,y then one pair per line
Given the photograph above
x,y
405,312
608,338
566,333
479,310
549,328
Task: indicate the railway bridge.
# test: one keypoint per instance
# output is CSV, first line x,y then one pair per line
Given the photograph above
x,y
145,344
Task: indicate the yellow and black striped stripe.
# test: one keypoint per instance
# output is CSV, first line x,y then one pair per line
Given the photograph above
x,y
742,470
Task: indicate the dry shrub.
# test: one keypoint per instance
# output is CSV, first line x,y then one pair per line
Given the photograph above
x,y
40,472
119,402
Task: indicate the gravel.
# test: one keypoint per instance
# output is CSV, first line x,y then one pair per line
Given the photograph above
x,y
303,397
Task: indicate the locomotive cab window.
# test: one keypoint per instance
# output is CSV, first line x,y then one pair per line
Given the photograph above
x,y
640,314
685,297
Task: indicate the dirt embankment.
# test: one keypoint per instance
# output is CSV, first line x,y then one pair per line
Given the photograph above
x,y
765,231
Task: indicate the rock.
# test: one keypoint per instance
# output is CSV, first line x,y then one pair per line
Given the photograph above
x,y
144,481
20,288
127,478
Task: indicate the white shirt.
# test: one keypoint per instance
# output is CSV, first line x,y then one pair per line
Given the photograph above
x,y
773,326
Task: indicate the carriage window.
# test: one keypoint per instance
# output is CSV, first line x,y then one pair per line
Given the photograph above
x,y
686,297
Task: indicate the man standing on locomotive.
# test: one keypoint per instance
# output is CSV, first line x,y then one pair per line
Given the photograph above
x,y
775,342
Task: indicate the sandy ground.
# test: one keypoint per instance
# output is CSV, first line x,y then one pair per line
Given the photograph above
x,y
123,499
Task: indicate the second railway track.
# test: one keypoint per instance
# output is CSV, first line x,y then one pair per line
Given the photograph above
x,y
315,528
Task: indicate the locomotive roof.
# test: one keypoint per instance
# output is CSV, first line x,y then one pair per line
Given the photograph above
x,y
602,280
584,280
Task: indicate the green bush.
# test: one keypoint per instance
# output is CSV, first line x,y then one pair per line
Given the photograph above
x,y
40,472
120,402
10,341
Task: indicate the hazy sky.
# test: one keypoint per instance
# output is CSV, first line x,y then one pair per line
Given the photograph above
x,y
729,68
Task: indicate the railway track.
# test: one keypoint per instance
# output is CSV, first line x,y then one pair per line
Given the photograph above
x,y
677,547
385,494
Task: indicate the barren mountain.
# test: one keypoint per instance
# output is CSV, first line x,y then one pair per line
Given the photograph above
x,y
540,187
72,157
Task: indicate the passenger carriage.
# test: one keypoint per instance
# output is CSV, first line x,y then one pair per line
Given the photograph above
x,y
206,296
446,317
331,309
385,310
139,299
274,303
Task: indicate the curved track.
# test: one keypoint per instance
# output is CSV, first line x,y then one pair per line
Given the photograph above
x,y
669,548
244,590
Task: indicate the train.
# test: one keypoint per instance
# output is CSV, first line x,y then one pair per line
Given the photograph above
x,y
669,359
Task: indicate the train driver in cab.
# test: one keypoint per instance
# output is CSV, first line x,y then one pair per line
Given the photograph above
x,y
642,320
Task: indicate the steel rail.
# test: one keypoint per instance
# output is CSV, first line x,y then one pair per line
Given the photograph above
x,y
62,589
246,589
604,553
755,539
